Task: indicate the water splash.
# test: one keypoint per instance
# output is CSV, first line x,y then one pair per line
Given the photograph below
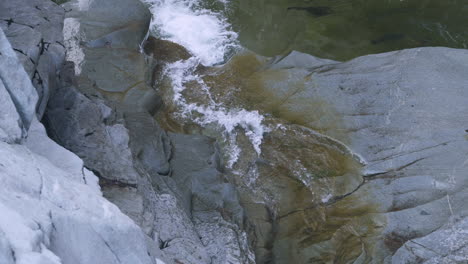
x,y
183,72
206,34
209,38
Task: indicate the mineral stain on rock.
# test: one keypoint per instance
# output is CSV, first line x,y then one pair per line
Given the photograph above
x,y
309,182
354,164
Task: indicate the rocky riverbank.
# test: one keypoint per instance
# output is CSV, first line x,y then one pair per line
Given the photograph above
x,y
361,161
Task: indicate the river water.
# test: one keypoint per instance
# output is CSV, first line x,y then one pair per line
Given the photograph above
x,y
344,29
276,158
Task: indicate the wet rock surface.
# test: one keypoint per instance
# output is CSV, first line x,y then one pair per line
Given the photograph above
x,y
401,113
104,115
362,161
118,140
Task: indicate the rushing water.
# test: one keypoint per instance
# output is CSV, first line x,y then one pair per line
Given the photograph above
x,y
275,156
203,32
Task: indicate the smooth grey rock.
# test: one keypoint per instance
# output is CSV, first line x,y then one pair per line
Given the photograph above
x,y
196,171
103,40
296,59
192,158
117,23
130,201
52,209
402,113
39,143
104,25
149,142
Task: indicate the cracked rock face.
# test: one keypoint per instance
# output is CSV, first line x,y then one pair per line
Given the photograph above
x,y
402,114
370,166
18,95
52,209
169,184
34,29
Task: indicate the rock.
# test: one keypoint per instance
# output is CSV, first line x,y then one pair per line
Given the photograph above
x,y
21,93
111,47
149,196
297,59
210,200
52,206
59,216
124,23
34,29
52,210
6,253
149,142
399,112
39,143
74,118
165,50
103,113
11,129
132,203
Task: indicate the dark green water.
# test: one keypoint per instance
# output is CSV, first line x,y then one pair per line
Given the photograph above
x,y
344,29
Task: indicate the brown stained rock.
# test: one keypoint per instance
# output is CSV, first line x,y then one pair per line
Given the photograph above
x,y
165,50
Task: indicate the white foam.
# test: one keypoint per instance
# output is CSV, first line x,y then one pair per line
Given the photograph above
x,y
182,72
204,33
208,36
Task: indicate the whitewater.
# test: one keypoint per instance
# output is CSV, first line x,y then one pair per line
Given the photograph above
x,y
209,38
